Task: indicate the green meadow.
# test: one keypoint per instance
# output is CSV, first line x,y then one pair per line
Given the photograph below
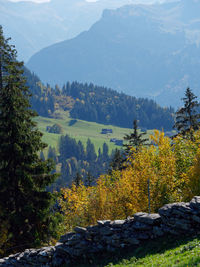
x,y
80,130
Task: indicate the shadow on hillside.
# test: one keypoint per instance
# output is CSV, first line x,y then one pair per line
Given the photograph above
x,y
146,248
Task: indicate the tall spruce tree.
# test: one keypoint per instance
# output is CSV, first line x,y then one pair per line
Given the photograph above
x,y
78,179
134,139
117,161
187,117
24,202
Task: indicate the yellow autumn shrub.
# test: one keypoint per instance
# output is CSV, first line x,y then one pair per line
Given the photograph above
x,y
171,167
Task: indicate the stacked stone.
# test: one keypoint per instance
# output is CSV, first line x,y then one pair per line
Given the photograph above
x,y
108,236
180,218
30,257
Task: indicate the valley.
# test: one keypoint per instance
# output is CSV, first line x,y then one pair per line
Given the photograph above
x,y
100,133
81,130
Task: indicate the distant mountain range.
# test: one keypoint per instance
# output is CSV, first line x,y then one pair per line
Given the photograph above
x,y
34,26
142,50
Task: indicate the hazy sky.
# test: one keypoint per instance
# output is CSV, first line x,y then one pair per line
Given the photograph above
x,y
36,1
42,1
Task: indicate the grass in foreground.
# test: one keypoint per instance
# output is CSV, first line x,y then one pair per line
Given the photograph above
x,y
165,252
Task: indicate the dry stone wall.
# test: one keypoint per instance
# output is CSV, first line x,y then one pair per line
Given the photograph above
x,y
108,236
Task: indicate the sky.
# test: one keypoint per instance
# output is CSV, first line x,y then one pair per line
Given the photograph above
x,y
43,1
36,1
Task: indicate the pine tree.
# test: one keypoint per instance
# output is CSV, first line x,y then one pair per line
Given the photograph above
x,y
78,179
187,118
24,202
117,161
90,179
105,152
42,157
52,154
134,139
90,151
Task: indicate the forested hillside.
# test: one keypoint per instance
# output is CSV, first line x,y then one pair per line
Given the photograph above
x,y
78,164
42,99
102,105
98,104
141,50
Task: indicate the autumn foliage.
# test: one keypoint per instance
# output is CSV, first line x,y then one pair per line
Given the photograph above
x,y
173,167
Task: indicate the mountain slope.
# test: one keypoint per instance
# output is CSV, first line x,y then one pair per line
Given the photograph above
x,y
34,26
143,50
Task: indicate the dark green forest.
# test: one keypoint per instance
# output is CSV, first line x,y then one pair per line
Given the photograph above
x,y
75,160
98,104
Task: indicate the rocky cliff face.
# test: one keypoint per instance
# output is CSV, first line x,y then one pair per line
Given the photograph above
x,y
108,236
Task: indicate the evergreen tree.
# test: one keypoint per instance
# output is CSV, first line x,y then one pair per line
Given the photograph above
x,y
78,179
117,161
24,202
52,154
90,151
187,118
81,151
105,152
42,157
135,139
89,180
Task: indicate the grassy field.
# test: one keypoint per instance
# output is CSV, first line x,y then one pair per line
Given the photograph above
x,y
165,252
81,130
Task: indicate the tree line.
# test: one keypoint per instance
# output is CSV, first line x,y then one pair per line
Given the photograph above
x,y
78,163
98,104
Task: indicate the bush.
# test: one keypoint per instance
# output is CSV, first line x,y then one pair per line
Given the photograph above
x,y
56,129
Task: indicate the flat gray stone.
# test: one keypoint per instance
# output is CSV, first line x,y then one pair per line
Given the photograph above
x,y
147,218
80,230
157,231
195,203
182,226
106,231
118,223
132,241
74,240
178,209
93,229
116,237
104,222
66,237
142,236
63,249
140,226
196,218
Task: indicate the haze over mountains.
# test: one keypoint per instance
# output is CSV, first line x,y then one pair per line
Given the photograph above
x,y
34,26
142,50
